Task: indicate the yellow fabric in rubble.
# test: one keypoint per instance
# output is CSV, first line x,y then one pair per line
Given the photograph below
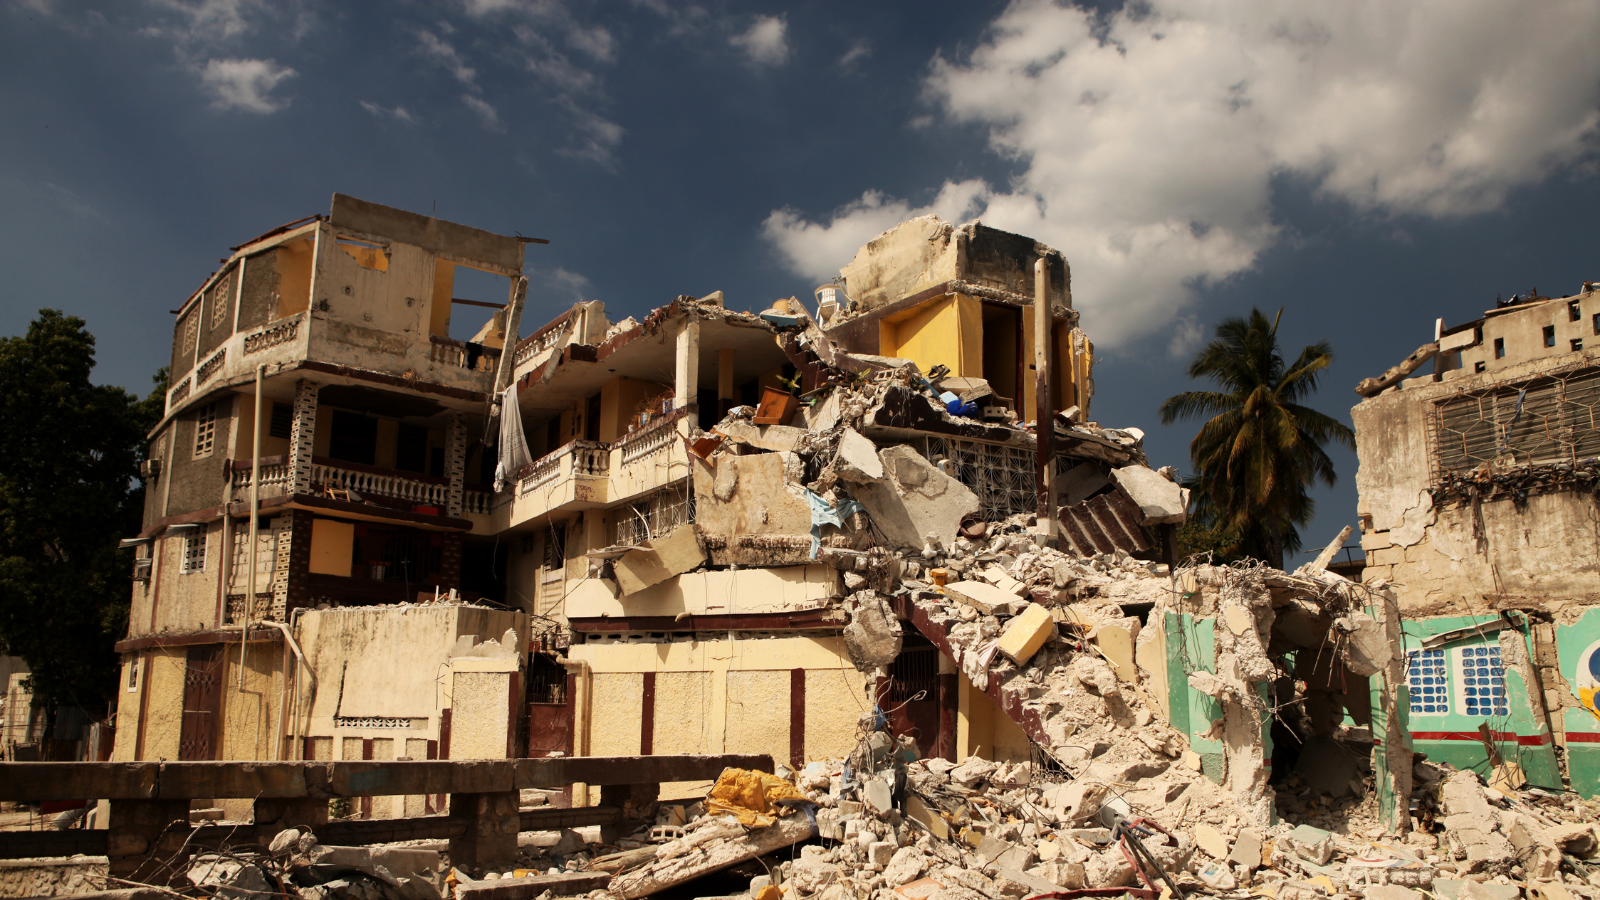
x,y
751,797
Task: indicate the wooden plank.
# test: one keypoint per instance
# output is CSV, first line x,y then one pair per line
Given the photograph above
x,y
620,770
35,844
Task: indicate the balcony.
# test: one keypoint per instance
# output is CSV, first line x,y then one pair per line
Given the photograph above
x,y
385,488
650,458
570,478
275,478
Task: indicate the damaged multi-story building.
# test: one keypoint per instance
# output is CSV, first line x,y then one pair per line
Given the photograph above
x,y
1477,489
702,531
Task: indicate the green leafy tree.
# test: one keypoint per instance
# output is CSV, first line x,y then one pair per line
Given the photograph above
x,y
1259,450
69,490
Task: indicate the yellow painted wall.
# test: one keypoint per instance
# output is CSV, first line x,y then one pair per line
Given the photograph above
x,y
619,398
332,545
758,713
946,331
122,748
721,696
836,699
294,277
164,709
982,729
444,284
250,716
618,707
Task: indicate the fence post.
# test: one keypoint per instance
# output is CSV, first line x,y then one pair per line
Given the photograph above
x,y
144,836
492,823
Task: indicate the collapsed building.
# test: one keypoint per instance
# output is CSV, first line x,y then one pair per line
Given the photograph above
x,y
1477,503
877,529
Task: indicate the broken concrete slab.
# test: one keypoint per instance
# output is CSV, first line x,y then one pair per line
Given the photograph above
x,y
1116,643
638,569
915,499
858,461
1160,501
1211,841
679,551
777,438
1079,483
1002,579
710,856
1027,633
564,884
985,598
1309,843
873,637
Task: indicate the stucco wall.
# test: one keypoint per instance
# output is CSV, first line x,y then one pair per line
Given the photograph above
x,y
724,592
164,708
184,601
758,713
250,710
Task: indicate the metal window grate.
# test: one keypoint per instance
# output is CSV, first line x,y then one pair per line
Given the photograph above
x,y
194,551
656,514
1427,684
1002,476
205,431
1551,420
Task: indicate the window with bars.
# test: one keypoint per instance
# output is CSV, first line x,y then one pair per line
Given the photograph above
x,y
191,332
194,551
1002,476
205,430
655,515
1428,684
1482,682
282,421
1551,420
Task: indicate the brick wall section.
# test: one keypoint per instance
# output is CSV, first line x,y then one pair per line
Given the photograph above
x,y
297,591
450,563
455,462
302,434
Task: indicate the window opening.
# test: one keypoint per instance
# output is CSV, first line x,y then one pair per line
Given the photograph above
x,y
1573,313
353,438
191,331
282,421
1549,335
194,551
1478,367
367,255
655,515
411,448
133,675
1003,477
1548,421
205,431
1499,348
1576,344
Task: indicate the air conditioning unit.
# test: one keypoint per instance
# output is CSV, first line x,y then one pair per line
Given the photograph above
x,y
150,468
141,569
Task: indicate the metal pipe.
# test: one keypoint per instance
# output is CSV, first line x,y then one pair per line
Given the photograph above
x,y
299,655
255,507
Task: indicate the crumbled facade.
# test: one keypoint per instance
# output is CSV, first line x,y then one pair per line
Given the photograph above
x,y
1477,505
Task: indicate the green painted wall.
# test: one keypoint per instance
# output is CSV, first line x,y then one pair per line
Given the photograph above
x,y
1578,648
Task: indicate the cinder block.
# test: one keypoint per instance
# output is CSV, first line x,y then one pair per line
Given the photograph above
x,y
1027,633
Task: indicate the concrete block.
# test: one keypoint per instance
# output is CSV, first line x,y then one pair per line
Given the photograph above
x,y
639,569
873,637
1001,579
985,598
880,853
1211,841
680,550
1159,500
1310,844
1116,642
878,797
915,499
858,461
1027,633
1247,849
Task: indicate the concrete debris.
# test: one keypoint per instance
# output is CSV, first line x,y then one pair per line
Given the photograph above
x,y
873,637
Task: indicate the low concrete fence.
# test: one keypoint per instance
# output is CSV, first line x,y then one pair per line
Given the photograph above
x,y
149,822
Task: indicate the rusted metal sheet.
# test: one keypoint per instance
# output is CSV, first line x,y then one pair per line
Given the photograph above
x,y
549,729
1104,524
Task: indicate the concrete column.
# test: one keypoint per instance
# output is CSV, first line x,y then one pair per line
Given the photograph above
x,y
142,835
686,386
492,824
302,435
455,462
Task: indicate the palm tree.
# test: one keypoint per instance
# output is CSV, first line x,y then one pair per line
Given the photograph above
x,y
1260,450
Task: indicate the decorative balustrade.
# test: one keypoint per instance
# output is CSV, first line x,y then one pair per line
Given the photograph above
x,y
275,477
589,458
649,441
475,502
281,332
538,343
326,474
179,392
546,470
447,352
211,366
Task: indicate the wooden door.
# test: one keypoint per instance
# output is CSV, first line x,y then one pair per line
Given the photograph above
x,y
202,704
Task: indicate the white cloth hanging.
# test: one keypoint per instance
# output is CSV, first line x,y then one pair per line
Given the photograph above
x,y
513,444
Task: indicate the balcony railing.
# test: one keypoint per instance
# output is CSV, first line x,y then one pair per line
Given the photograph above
x,y
648,441
275,477
588,458
451,352
328,474
476,502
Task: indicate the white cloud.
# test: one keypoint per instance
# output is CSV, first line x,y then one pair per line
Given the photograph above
x,y
398,113
818,251
484,111
207,21
766,41
441,52
245,84
858,51
1148,141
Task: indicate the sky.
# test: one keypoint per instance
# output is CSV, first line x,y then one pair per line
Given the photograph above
x,y
1366,166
